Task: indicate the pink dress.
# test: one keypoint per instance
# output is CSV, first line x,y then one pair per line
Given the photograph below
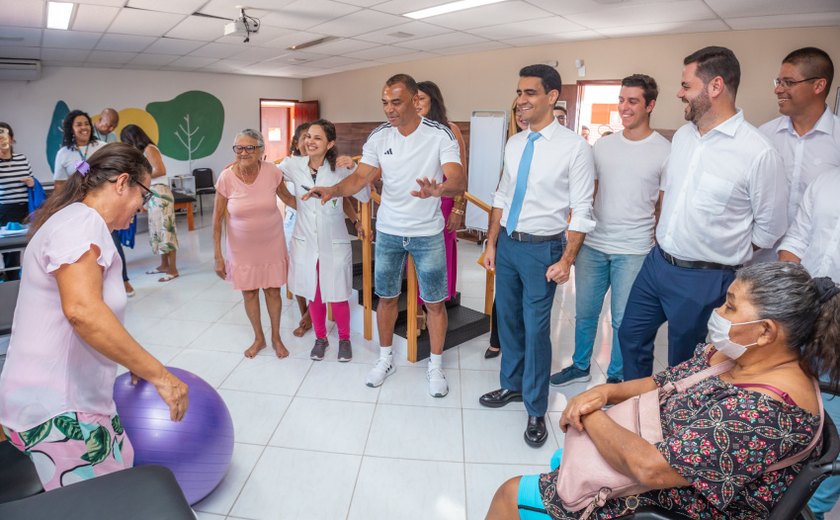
x,y
256,246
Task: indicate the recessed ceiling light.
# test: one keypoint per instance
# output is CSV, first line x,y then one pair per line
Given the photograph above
x,y
451,7
59,15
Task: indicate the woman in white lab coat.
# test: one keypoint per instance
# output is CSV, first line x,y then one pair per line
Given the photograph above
x,y
321,266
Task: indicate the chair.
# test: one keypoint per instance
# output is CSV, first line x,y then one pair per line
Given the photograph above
x,y
18,478
203,185
185,202
794,503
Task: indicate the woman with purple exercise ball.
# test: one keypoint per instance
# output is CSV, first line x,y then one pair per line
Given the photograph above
x,y
56,389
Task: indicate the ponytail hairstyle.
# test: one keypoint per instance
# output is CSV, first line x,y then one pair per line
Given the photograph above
x,y
299,131
103,165
808,309
135,136
69,138
329,131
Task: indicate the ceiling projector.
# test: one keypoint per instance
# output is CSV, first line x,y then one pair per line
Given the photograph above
x,y
243,26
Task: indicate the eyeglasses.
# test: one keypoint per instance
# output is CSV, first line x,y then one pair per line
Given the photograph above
x,y
146,196
250,148
787,83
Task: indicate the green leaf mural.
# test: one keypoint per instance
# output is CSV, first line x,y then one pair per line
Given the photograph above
x,y
55,134
190,125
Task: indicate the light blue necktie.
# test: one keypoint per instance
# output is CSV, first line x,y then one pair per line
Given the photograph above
x,y
521,182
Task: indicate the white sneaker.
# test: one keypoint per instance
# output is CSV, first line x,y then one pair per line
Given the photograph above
x,y
437,382
384,368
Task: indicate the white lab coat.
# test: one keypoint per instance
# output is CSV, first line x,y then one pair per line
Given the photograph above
x,y
320,234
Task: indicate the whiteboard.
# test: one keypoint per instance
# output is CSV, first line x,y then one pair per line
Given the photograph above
x,y
488,133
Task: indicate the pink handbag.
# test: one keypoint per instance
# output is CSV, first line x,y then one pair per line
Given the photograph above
x,y
586,481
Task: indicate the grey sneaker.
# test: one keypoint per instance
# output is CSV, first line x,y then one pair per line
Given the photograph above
x,y
345,350
318,350
437,382
569,375
384,367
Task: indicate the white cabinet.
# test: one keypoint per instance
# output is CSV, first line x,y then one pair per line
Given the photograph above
x,y
183,183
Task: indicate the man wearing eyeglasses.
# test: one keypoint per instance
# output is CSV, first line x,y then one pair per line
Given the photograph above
x,y
807,134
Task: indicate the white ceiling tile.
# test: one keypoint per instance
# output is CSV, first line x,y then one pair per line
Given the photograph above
x,y
297,57
355,66
406,6
70,39
28,53
233,66
548,26
305,14
409,57
343,46
263,38
359,23
191,62
442,41
51,63
150,23
475,47
568,7
23,13
124,42
20,37
174,46
363,3
395,34
335,61
113,3
68,55
751,8
531,41
378,53
664,28
786,20
108,57
217,50
493,14
259,54
293,38
256,8
168,6
627,15
198,28
94,18
153,59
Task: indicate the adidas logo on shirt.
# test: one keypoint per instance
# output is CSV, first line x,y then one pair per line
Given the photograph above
x,y
388,152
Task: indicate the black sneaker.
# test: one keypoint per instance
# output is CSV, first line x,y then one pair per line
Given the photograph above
x,y
569,375
318,350
345,350
614,380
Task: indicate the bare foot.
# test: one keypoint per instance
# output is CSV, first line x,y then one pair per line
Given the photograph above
x,y
280,348
255,348
303,326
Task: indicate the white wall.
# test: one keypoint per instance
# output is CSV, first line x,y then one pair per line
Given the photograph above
x,y
28,106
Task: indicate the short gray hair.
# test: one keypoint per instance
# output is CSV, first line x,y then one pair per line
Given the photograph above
x,y
253,134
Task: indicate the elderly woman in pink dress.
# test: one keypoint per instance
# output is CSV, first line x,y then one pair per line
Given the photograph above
x,y
256,259
56,389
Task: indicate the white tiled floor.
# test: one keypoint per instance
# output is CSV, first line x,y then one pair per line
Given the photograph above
x,y
312,441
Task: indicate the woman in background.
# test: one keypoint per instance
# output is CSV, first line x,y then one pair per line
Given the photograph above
x,y
246,207
15,179
163,235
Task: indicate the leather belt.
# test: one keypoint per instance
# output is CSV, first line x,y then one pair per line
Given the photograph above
x,y
527,237
690,264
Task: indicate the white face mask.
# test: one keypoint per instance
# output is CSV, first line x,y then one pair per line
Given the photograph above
x,y
719,336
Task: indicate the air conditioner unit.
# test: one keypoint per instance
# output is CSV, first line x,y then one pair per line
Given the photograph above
x,y
15,69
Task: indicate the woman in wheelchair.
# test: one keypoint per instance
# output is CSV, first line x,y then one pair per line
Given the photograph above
x,y
782,329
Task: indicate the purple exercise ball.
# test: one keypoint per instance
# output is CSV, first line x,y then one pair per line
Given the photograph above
x,y
197,449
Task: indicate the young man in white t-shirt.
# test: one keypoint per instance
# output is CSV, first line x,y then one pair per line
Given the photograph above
x,y
412,155
629,171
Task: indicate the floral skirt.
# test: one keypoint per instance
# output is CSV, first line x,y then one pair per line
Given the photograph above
x,y
75,446
162,233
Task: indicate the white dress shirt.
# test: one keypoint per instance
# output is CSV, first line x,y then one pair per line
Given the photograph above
x,y
562,177
814,235
724,191
807,156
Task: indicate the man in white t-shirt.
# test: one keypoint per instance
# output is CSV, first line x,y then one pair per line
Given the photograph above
x,y
412,155
629,172
724,197
807,134
109,119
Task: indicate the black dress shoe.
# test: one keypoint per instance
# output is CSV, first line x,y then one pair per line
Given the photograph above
x,y
499,398
535,432
492,352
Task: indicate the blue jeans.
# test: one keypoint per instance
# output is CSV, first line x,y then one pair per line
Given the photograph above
x,y
595,272
524,299
429,255
827,494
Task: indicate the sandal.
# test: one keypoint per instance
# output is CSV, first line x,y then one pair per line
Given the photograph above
x,y
168,277
156,270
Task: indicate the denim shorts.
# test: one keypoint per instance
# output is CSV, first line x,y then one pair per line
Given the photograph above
x,y
429,255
